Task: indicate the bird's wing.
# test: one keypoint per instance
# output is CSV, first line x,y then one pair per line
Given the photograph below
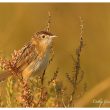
x,y
25,56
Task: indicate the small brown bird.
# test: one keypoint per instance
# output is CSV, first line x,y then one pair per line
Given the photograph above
x,y
32,58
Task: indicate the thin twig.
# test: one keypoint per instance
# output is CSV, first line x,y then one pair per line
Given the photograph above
x,y
49,21
76,65
64,105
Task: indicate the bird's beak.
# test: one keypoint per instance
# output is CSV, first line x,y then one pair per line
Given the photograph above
x,y
54,36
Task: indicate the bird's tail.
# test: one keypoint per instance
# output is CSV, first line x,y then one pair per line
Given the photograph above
x,y
4,75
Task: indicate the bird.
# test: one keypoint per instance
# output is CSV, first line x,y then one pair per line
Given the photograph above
x,y
31,59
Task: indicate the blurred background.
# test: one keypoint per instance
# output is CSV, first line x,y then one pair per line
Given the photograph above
x,y
18,22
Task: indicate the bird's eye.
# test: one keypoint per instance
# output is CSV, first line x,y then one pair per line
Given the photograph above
x,y
43,36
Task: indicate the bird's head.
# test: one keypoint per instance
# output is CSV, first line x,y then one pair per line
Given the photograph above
x,y
44,38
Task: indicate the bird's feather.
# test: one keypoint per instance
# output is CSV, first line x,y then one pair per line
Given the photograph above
x,y
26,55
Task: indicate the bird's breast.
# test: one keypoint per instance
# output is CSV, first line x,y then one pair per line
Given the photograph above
x,y
37,66
42,64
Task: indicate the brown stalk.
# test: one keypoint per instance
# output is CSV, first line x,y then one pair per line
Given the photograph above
x,y
77,69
